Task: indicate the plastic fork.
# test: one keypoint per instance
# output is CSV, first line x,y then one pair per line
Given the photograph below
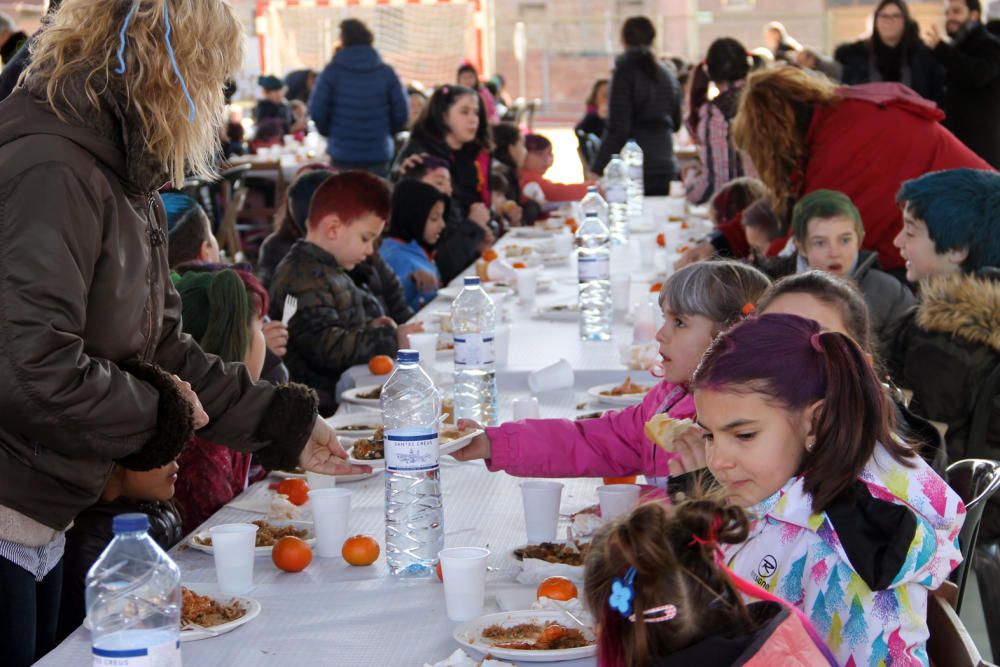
x,y
291,305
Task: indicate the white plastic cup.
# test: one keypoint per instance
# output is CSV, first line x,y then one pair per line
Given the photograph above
x,y
525,408
564,243
621,287
499,299
647,250
233,547
554,376
463,570
617,499
501,340
527,285
541,509
317,480
677,189
426,345
331,509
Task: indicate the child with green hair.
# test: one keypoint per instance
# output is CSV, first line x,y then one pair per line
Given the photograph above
x,y
223,310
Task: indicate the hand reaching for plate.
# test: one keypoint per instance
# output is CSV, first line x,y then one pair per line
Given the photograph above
x,y
478,448
323,453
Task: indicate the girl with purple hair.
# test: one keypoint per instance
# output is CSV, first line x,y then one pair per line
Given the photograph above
x,y
848,523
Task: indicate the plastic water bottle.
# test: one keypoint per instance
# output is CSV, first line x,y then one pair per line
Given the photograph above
x,y
414,515
133,599
473,317
594,265
616,192
593,201
632,155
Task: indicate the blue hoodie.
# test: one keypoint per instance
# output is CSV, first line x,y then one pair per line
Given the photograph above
x,y
359,104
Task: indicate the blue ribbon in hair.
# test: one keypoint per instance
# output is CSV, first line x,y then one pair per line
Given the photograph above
x,y
170,51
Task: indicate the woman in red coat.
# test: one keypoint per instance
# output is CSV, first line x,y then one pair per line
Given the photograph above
x,y
804,134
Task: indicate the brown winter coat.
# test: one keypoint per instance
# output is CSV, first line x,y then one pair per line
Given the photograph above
x,y
90,323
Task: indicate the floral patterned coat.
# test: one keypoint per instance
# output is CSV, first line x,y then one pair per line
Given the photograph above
x,y
860,570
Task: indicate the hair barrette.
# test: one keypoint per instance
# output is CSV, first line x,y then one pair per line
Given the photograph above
x,y
667,612
623,593
815,342
445,89
748,309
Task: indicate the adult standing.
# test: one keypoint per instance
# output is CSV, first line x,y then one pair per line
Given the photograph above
x,y
95,368
971,58
727,64
644,105
12,69
359,103
893,52
11,39
781,45
804,134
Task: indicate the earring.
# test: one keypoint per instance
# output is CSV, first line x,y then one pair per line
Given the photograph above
x,y
810,443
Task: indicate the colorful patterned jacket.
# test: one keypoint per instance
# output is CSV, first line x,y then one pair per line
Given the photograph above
x,y
861,569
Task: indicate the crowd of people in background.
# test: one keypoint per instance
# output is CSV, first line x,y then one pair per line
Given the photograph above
x,y
862,185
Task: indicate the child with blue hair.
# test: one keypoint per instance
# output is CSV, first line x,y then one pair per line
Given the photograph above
x,y
947,351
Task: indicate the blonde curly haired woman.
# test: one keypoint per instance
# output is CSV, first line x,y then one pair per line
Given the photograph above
x,y
94,368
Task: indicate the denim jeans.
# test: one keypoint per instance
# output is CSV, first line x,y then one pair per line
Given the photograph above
x,y
29,613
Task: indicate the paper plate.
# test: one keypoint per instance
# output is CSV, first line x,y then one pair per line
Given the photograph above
x,y
353,396
258,551
251,606
470,635
625,399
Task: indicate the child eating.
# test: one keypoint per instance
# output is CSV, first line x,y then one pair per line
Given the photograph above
x,y
418,218
849,525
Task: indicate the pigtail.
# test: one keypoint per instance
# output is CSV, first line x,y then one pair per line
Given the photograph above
x,y
851,421
228,331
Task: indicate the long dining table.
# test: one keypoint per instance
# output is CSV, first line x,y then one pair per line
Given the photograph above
x,y
336,614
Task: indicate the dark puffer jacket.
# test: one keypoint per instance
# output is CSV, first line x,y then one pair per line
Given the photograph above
x,y
918,69
330,331
646,110
359,105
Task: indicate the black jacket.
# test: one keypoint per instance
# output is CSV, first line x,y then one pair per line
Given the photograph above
x,y
383,292
648,111
888,300
972,91
921,71
465,178
89,537
459,245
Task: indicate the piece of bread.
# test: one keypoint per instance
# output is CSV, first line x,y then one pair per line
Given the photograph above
x,y
663,430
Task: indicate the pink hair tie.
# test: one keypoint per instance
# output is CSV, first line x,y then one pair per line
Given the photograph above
x,y
814,341
445,89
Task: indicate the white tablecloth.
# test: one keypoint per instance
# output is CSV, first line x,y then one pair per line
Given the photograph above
x,y
334,614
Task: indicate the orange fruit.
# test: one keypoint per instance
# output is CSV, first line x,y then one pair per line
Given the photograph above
x,y
291,554
437,569
685,225
380,364
682,250
656,287
360,550
296,489
661,240
490,254
620,480
519,265
557,588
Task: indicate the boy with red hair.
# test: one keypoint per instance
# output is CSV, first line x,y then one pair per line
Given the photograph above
x,y
330,332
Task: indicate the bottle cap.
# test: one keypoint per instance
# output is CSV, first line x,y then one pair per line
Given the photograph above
x,y
471,280
129,523
408,357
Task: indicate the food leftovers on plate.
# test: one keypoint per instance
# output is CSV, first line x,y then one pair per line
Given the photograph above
x,y
553,552
589,415
267,534
518,251
448,434
206,612
372,395
664,430
563,308
627,388
370,449
445,345
550,636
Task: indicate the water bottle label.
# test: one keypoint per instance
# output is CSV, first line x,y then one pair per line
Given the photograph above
x,y
406,451
615,194
162,655
635,172
594,268
474,351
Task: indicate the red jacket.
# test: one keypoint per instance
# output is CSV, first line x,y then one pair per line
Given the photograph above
x,y
210,476
876,137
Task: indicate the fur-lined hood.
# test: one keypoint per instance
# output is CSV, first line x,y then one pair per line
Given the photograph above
x,y
966,306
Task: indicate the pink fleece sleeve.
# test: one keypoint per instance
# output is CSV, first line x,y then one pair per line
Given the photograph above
x,y
614,445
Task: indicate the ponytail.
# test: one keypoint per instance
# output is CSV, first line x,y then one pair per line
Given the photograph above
x,y
228,331
851,421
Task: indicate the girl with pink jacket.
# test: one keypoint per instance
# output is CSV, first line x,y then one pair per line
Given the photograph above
x,y
698,302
